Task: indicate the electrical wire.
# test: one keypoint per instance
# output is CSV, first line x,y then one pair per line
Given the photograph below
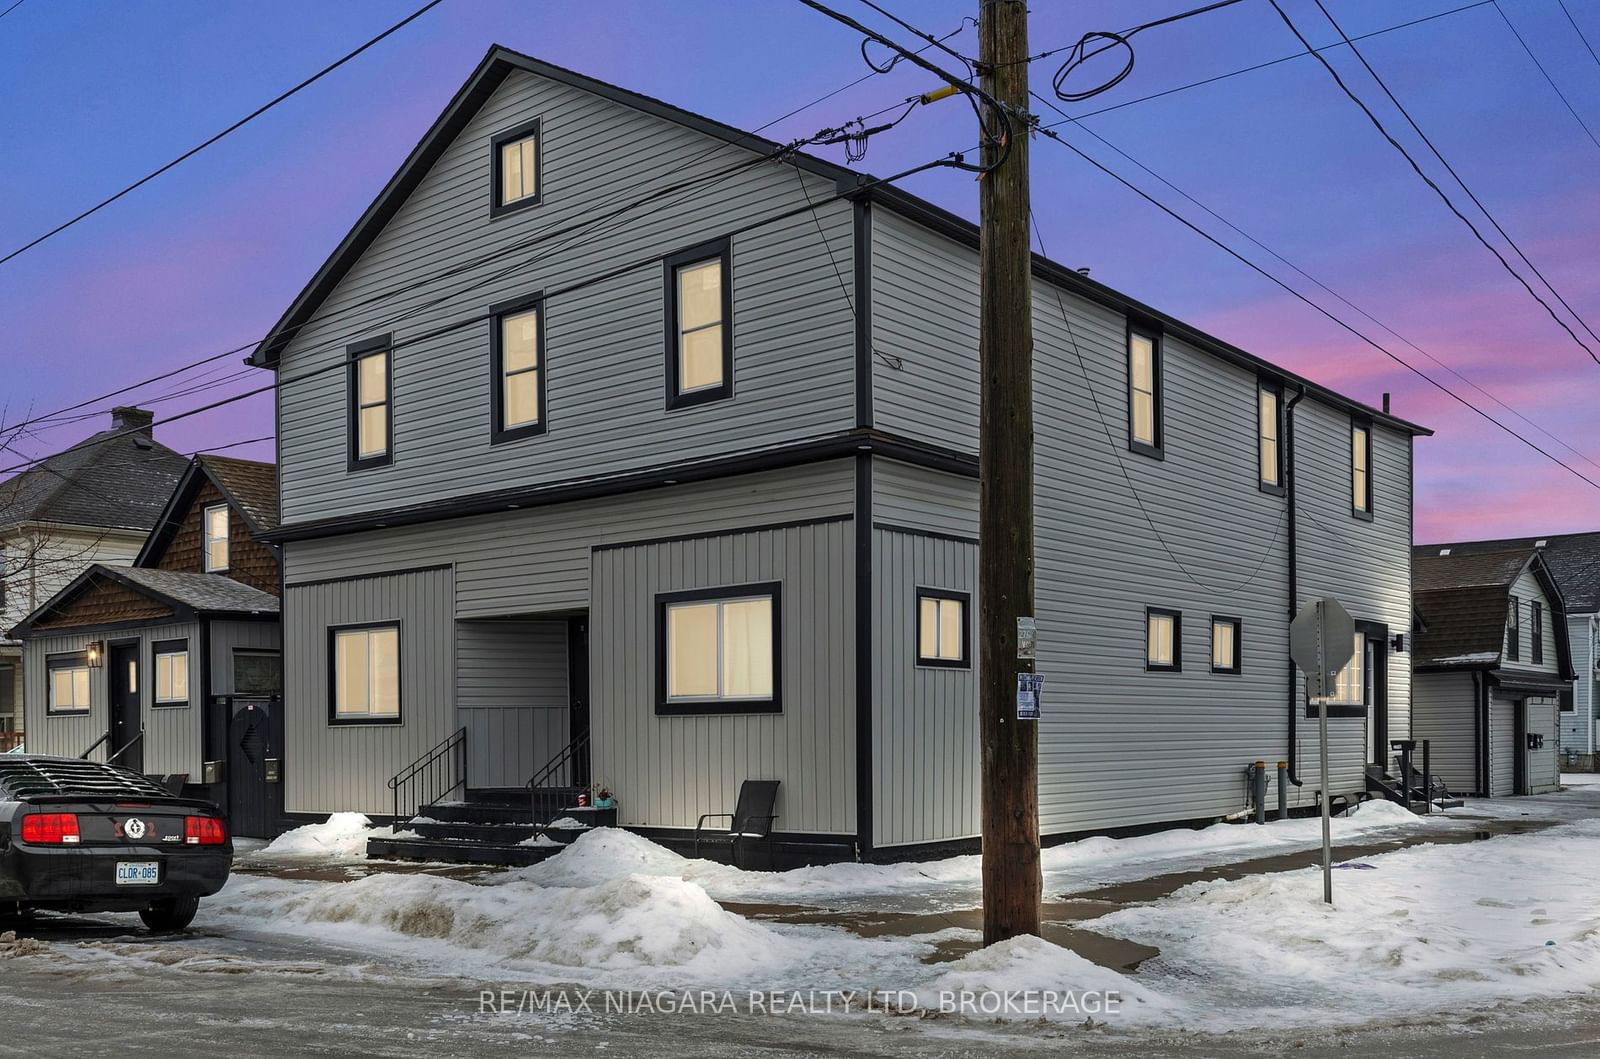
x,y
1575,28
1552,81
12,8
1078,53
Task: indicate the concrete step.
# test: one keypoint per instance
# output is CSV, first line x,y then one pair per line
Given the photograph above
x,y
455,851
492,833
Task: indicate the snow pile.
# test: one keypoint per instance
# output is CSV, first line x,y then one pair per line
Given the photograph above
x,y
1028,977
341,836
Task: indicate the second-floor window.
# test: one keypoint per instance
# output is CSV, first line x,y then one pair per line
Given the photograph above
x,y
699,298
1269,436
1163,637
216,542
515,158
518,345
1536,617
1225,644
1514,630
1144,391
370,400
1361,470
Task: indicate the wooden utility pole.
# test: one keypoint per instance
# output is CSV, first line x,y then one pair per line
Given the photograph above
x,y
1011,879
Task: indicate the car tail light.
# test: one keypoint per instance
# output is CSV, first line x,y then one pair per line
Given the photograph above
x,y
203,831
51,829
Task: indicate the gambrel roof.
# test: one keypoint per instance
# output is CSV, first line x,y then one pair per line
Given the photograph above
x,y
1462,600
1573,558
501,62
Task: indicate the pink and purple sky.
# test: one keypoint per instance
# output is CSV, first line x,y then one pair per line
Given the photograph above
x,y
206,257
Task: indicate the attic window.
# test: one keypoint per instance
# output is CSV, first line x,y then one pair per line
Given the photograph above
x,y
1541,544
216,542
515,164
1444,551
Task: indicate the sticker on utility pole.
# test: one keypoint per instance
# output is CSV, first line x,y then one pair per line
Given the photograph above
x,y
1029,685
1027,639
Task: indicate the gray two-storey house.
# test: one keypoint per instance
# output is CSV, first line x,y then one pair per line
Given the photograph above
x,y
690,489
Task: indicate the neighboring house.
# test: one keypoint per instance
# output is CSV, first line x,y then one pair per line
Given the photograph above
x,y
694,496
172,666
93,503
1574,561
1490,663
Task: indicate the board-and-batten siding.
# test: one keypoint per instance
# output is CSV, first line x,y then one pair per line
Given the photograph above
x,y
172,732
924,720
511,697
1445,710
229,636
668,770
605,351
347,767
537,560
1502,745
1527,590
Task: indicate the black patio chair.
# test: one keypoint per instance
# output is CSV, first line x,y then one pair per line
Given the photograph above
x,y
750,821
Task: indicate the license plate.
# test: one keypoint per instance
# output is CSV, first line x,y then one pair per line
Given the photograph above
x,y
138,872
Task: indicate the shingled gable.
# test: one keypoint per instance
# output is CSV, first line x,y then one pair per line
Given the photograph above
x,y
250,487
1462,600
113,595
501,61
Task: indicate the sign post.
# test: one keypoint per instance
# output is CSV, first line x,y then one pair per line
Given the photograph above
x,y
1321,640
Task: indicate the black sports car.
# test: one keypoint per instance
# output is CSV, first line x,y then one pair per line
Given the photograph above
x,y
80,836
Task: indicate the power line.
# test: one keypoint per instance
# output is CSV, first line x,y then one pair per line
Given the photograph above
x,y
1575,28
1445,198
12,8
1565,101
236,125
1163,207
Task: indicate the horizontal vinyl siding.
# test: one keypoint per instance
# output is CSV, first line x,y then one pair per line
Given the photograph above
x,y
666,771
1527,590
1577,725
511,697
605,350
908,497
1446,714
537,560
347,767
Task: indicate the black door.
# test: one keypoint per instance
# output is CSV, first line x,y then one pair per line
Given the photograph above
x,y
122,678
1377,695
1519,747
255,767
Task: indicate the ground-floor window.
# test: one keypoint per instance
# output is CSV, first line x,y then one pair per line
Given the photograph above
x,y
68,683
365,675
257,672
172,672
943,630
717,650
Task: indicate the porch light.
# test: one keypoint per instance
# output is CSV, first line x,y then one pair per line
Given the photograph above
x,y
94,653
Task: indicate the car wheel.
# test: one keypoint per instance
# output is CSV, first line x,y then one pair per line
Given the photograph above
x,y
170,914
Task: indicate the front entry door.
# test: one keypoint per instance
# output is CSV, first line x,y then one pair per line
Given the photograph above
x,y
122,678
255,767
1375,674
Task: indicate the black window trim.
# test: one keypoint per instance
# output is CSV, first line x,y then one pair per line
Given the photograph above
x,y
67,660
1158,388
1365,427
499,433
1536,636
963,598
1177,640
732,707
1275,388
1513,630
167,647
255,652
716,249
1238,644
523,131
334,719
355,353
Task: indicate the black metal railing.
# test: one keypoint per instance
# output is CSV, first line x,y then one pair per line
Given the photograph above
x,y
430,779
554,787
92,747
129,745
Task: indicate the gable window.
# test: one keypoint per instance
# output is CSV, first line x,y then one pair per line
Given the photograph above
x,y
365,675
699,299
718,650
943,630
515,160
1361,470
517,348
1225,646
172,671
216,542
1144,391
370,399
1514,630
1163,639
68,683
1536,617
1269,436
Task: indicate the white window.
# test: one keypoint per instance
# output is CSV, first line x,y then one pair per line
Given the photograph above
x,y
69,685
1144,391
216,544
521,384
942,630
172,671
1514,630
366,673
1350,685
1225,645
1269,417
1361,470
719,648
371,411
517,158
699,342
1163,639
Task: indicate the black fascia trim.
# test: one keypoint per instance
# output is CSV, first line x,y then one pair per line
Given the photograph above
x,y
719,707
1238,644
334,720
965,599
865,662
861,218
168,647
527,129
732,531
68,660
1363,425
1177,640
1157,392
1274,387
718,250
355,352
499,433
913,531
